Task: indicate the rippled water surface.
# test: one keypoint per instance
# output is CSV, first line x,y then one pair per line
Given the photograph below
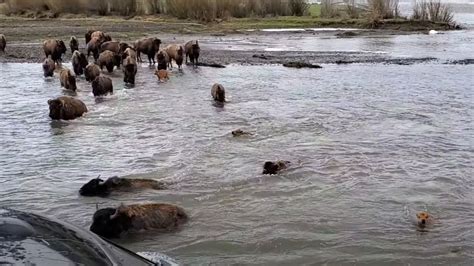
x,y
371,144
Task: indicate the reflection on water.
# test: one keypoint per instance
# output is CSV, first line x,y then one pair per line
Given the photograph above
x,y
371,145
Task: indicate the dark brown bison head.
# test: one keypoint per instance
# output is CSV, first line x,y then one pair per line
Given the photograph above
x,y
196,49
156,44
95,187
122,47
83,60
71,79
110,223
55,108
61,47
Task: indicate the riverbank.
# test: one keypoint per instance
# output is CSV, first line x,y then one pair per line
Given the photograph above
x,y
25,35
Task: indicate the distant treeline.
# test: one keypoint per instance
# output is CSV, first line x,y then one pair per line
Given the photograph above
x,y
194,9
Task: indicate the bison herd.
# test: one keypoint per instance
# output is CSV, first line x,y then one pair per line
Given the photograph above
x,y
111,222
109,54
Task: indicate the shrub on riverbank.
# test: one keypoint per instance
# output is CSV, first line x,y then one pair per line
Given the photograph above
x,y
433,11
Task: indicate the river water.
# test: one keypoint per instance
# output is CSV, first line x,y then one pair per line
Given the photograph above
x,y
371,144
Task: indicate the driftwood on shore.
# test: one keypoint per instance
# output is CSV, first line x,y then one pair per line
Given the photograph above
x,y
300,65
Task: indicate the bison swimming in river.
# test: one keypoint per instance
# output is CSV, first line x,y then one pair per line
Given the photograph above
x,y
102,188
66,108
112,222
273,168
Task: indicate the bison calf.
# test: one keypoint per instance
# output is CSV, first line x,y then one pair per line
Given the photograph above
x,y
67,79
101,188
102,86
112,222
48,67
66,108
218,93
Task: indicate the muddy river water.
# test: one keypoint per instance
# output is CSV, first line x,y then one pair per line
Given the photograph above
x,y
371,144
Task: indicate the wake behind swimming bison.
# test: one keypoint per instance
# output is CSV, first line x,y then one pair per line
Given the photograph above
x,y
113,222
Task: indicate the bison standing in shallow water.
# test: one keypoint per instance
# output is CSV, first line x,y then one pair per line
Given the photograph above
x,y
67,79
66,108
3,43
176,53
162,58
129,70
192,50
218,93
109,60
102,86
93,47
91,72
112,222
48,67
55,49
74,44
148,46
116,47
79,62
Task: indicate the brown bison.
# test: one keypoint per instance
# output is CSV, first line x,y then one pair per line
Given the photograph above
x,y
109,60
192,50
79,62
218,93
66,108
74,44
101,188
3,43
102,86
48,67
129,70
91,72
55,49
88,36
176,53
112,222
273,168
99,35
93,47
162,58
116,47
148,46
67,79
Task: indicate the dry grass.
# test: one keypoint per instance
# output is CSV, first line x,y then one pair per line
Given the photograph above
x,y
433,11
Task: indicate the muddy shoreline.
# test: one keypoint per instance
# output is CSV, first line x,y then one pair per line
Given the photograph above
x,y
24,37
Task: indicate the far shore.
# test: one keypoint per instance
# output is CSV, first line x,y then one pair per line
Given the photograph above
x,y
16,26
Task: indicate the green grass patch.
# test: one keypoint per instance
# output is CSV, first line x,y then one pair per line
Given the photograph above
x,y
315,10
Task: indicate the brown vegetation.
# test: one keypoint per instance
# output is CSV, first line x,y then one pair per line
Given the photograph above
x,y
433,11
